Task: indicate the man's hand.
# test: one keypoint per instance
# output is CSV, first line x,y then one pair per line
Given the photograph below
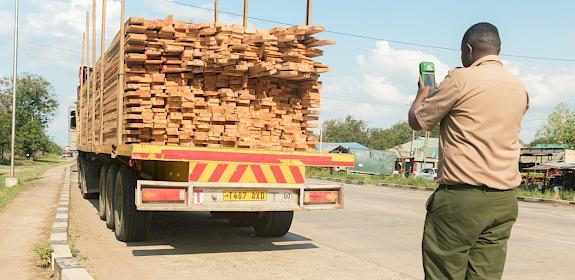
x,y
422,94
423,90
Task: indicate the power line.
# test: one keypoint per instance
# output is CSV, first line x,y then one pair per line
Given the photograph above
x,y
369,37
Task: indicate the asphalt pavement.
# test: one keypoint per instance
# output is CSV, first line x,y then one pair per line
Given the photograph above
x,y
376,236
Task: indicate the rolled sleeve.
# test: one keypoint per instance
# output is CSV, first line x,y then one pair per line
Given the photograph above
x,y
434,108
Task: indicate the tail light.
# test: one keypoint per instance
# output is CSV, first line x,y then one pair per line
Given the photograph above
x,y
321,197
151,195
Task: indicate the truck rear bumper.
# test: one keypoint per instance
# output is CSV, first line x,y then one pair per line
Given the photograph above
x,y
196,196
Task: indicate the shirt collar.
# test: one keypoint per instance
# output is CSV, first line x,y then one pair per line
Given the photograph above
x,y
486,58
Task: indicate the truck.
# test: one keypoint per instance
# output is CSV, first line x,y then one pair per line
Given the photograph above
x,y
133,178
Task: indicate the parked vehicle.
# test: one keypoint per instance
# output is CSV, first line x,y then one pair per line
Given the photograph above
x,y
428,173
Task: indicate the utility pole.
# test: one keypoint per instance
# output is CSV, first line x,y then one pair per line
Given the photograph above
x,y
12,180
425,148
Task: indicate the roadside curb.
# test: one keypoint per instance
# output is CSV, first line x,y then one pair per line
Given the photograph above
x,y
64,265
554,202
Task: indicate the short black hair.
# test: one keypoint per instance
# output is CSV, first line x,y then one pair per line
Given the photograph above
x,y
483,37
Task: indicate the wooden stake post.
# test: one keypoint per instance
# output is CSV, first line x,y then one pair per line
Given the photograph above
x,y
308,13
245,13
87,113
216,18
80,99
120,111
93,91
102,69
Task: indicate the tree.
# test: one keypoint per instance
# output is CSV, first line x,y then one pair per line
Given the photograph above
x,y
36,107
559,127
347,130
353,130
398,133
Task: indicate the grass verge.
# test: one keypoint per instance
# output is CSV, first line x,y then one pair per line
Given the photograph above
x,y
26,171
421,182
368,179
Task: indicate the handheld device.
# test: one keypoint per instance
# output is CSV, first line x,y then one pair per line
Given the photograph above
x,y
427,72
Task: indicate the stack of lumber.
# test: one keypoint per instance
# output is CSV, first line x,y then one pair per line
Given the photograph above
x,y
214,85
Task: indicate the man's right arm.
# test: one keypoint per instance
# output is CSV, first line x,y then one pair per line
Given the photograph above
x,y
426,111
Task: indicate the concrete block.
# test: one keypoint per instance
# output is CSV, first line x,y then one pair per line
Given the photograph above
x,y
75,274
11,182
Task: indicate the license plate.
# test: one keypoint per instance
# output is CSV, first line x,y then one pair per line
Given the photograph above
x,y
245,195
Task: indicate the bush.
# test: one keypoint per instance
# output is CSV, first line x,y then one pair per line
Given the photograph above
x,y
44,252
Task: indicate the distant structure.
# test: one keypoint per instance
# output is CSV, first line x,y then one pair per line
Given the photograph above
x,y
412,156
72,129
367,161
342,147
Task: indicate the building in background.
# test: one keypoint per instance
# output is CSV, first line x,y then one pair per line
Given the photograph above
x,y
72,120
416,155
367,161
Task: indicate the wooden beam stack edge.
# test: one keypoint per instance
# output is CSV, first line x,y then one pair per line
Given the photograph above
x,y
210,85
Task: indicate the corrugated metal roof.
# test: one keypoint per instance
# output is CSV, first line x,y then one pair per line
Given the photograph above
x,y
329,146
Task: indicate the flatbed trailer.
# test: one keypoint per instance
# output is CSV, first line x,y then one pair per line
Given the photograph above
x,y
256,188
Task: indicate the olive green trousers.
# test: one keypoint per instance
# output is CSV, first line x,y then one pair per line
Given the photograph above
x,y
466,232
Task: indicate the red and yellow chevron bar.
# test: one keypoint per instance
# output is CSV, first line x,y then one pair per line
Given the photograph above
x,y
214,172
231,155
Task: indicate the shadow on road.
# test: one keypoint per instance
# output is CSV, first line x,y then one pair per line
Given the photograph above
x,y
200,233
173,233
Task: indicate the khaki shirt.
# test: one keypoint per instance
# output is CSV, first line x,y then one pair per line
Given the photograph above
x,y
480,109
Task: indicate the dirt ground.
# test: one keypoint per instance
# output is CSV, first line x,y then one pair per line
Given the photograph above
x,y
25,223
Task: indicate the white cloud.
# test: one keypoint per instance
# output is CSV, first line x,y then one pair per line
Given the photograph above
x,y
387,84
6,28
188,13
385,88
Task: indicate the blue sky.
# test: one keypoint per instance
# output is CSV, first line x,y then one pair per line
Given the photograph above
x,y
369,79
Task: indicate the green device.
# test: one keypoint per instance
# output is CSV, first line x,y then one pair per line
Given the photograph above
x,y
427,72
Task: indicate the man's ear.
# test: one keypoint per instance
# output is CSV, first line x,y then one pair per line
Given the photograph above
x,y
469,49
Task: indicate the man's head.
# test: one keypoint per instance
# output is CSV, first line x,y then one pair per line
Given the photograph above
x,y
479,40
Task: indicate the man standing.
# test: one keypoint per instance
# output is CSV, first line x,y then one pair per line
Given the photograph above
x,y
479,108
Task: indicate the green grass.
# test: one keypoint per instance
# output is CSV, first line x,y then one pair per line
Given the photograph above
x,y
26,171
564,195
421,182
368,179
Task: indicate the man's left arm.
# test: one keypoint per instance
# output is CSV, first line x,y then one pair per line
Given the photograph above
x,y
427,111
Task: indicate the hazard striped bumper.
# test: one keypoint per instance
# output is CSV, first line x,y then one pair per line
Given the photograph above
x,y
217,172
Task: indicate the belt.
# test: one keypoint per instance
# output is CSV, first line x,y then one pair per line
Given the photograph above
x,y
469,187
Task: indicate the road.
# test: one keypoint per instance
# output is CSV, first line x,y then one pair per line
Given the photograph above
x,y
376,236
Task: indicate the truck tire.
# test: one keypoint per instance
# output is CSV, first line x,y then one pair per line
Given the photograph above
x,y
91,177
109,195
131,224
102,192
79,163
218,214
242,219
273,224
